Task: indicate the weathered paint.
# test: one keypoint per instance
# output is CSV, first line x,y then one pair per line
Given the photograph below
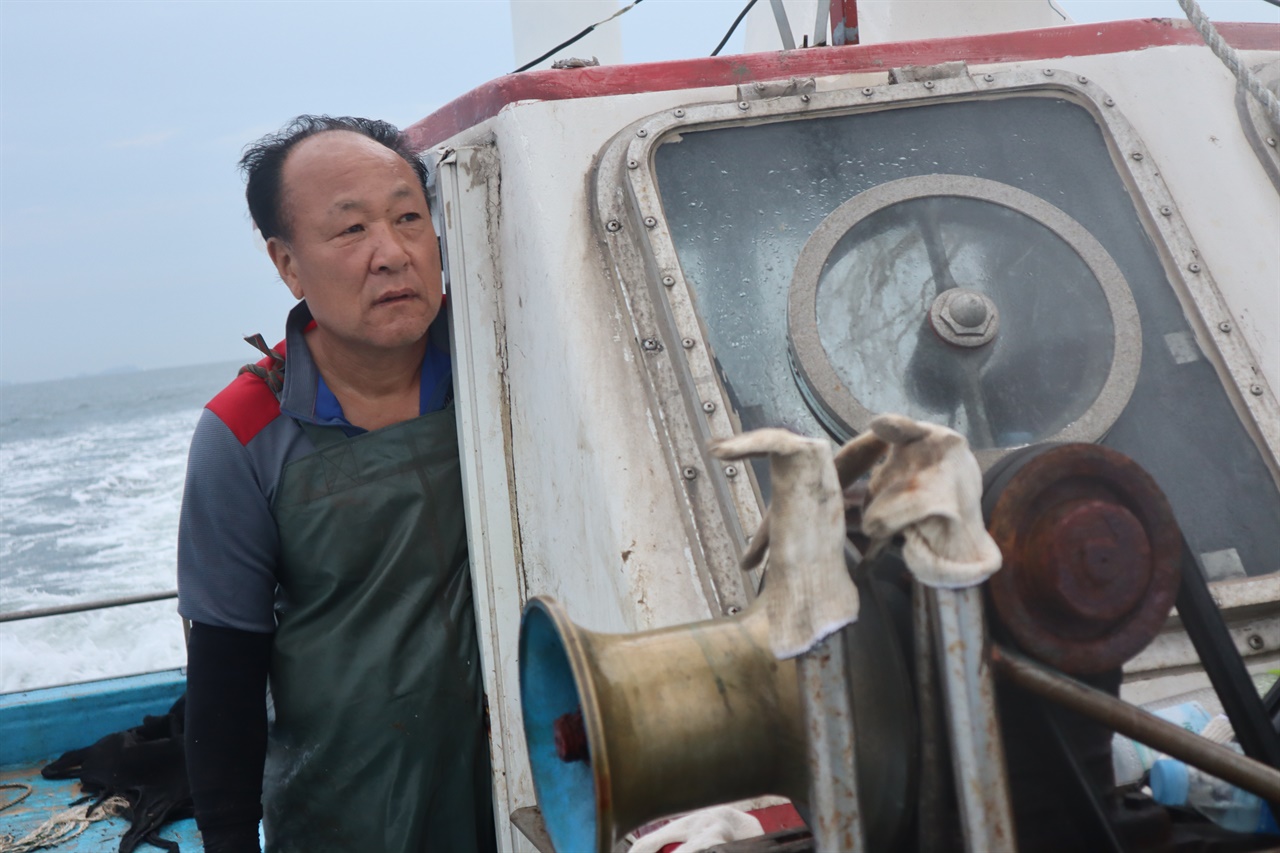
x,y
42,724
488,100
566,482
52,797
37,726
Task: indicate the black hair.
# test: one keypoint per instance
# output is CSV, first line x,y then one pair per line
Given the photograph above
x,y
263,163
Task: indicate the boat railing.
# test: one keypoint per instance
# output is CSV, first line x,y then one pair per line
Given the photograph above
x,y
84,606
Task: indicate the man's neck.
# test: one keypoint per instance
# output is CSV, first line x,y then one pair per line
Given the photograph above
x,y
376,388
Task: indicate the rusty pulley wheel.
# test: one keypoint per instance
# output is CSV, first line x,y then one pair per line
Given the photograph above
x,y
1090,550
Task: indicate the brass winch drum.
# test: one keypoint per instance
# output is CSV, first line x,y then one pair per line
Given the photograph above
x,y
671,720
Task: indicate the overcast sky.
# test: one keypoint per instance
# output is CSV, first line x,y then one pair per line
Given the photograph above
x,y
123,235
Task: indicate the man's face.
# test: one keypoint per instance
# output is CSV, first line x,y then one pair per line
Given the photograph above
x,y
361,247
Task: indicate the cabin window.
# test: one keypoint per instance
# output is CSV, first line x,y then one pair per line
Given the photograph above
x,y
742,202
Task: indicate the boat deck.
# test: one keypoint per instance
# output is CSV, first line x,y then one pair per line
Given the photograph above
x,y
37,726
51,797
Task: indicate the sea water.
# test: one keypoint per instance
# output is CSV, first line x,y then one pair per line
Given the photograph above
x,y
91,474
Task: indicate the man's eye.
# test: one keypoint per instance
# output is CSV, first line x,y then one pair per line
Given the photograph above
x,y
354,229
411,217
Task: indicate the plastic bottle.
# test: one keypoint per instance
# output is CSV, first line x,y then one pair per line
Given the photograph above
x,y
1176,784
1132,759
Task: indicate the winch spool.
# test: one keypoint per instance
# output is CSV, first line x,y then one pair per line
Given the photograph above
x,y
672,719
679,718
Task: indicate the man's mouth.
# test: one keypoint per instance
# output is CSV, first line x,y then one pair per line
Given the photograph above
x,y
395,296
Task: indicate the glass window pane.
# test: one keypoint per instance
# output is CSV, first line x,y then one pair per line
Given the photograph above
x,y
1052,349
742,201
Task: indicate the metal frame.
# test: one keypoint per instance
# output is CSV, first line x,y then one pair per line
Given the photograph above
x,y
85,606
977,748
844,408
718,503
466,180
1134,722
827,712
672,341
1263,138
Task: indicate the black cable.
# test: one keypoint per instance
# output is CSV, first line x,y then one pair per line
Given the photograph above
x,y
732,27
562,45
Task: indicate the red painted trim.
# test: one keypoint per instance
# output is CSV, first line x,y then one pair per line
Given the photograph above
x,y
844,22
772,819
1077,40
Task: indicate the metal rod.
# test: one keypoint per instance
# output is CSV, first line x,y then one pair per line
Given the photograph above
x,y
19,615
1135,723
977,753
931,828
784,26
833,768
820,26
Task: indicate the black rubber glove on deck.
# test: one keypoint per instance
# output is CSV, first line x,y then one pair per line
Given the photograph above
x,y
146,766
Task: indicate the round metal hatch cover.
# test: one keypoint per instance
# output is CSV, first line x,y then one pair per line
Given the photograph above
x,y
965,302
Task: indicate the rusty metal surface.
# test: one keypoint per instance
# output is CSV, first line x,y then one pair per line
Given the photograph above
x,y
977,751
571,737
831,753
1091,553
932,792
1138,724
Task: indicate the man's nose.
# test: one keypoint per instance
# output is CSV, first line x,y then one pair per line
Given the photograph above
x,y
389,254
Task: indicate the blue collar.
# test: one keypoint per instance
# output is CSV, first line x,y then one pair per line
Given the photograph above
x,y
307,397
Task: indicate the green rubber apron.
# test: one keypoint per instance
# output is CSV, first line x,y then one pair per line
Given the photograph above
x,y
378,742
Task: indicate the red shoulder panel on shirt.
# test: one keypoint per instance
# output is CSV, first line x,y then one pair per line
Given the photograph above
x,y
247,405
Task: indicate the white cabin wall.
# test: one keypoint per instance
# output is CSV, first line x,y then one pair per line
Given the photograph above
x,y
1192,126
468,178
551,406
599,528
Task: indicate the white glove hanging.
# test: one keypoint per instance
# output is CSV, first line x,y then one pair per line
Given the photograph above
x,y
929,489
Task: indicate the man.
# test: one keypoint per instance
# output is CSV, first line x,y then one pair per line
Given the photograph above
x,y
322,537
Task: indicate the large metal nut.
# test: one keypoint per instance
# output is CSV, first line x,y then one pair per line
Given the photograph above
x,y
964,317
967,313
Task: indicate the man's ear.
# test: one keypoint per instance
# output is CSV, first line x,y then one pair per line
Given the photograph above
x,y
286,265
